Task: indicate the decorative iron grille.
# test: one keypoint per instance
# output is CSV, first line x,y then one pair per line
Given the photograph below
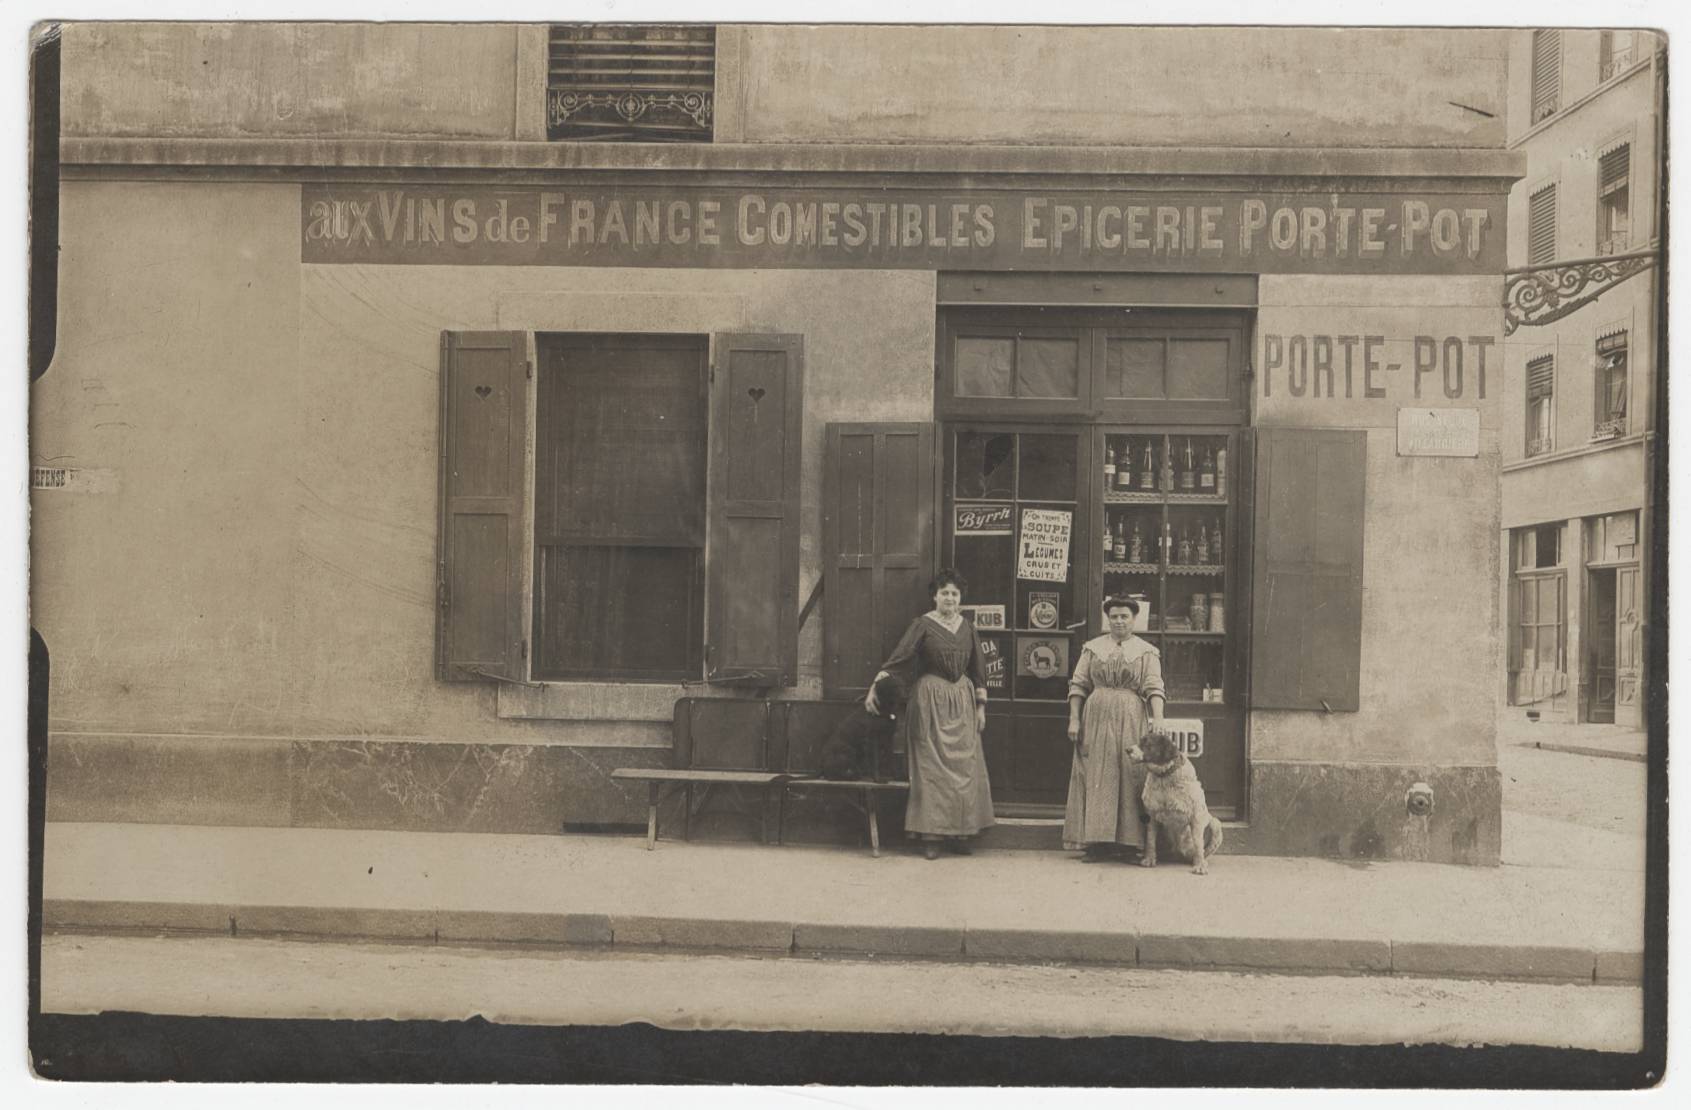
x,y
1616,54
631,83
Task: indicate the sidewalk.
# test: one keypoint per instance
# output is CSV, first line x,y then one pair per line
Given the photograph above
x,y
1603,741
1257,913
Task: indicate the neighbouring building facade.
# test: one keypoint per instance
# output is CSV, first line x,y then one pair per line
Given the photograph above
x,y
1585,107
436,407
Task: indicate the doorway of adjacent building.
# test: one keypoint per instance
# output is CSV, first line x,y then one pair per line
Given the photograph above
x,y
1600,641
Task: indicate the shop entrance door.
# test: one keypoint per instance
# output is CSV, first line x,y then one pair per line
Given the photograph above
x,y
1601,643
1015,518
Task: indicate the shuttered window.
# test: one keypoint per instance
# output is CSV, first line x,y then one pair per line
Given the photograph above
x,y
619,528
644,568
1306,621
757,404
878,543
1546,74
651,83
1614,200
1611,385
1541,405
483,426
1541,227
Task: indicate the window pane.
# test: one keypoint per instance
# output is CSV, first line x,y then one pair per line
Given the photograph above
x,y
1049,465
1549,546
986,466
988,562
1048,368
1197,368
629,610
621,446
1134,367
983,367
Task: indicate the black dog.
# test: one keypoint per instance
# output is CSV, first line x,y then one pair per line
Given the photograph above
x,y
861,744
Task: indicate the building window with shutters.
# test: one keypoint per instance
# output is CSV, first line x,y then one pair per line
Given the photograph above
x,y
646,84
1538,602
1616,53
619,506
1614,200
664,508
1541,226
1541,405
1611,387
1546,74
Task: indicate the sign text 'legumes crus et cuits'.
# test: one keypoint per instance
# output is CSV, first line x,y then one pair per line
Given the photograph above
x,y
1331,232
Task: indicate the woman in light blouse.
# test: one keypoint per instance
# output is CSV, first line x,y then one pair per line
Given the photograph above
x,y
1115,697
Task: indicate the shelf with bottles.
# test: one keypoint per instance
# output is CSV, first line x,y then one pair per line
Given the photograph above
x,y
1197,468
1196,541
1136,468
1133,536
1132,568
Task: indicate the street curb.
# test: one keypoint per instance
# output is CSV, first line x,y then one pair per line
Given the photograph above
x,y
1267,955
1578,749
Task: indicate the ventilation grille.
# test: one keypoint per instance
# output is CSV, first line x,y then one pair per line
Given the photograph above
x,y
621,83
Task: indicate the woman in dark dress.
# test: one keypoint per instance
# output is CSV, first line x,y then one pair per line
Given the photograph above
x,y
940,660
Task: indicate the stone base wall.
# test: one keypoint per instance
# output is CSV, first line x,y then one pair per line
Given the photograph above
x,y
1357,811
1334,810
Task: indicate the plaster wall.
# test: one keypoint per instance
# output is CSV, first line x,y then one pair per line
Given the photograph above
x,y
1162,86
1431,653
310,80
1165,86
261,562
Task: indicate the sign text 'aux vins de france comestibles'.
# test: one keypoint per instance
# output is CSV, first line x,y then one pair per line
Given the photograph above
x,y
1339,233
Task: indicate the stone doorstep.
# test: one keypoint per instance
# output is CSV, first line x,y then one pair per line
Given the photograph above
x,y
1271,955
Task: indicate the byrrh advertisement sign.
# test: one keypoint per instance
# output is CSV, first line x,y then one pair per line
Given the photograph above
x,y
1331,232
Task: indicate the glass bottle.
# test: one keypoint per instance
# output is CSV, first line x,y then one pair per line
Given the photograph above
x,y
1184,551
1136,546
1119,548
1221,472
1109,542
1206,477
1202,551
1188,469
1216,547
1147,469
1109,464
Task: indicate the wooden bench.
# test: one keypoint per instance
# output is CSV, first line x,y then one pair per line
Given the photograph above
x,y
758,743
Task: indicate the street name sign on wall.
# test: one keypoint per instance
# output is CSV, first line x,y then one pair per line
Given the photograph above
x,y
822,228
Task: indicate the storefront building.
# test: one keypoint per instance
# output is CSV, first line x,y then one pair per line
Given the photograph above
x,y
412,446
1579,441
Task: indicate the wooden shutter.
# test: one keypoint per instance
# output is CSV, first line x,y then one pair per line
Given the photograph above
x,y
877,542
1541,226
1613,168
752,549
1306,603
483,426
1546,74
1541,377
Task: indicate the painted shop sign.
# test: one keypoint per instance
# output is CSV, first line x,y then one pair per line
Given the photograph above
x,y
992,658
985,617
1438,433
1452,367
1338,233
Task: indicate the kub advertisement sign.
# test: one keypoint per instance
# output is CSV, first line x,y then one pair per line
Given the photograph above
x,y
1187,733
985,618
1044,552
